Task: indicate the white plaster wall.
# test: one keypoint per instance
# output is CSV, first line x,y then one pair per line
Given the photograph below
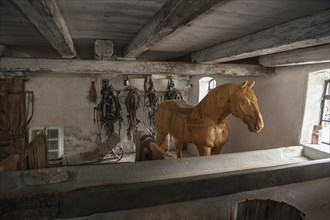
x,y
281,98
62,101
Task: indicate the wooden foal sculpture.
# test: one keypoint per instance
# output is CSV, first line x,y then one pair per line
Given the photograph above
x,y
205,125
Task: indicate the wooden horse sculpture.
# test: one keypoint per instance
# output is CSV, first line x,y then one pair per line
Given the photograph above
x,y
205,125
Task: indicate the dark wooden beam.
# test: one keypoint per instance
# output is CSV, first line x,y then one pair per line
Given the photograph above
x,y
83,67
299,33
6,51
174,14
14,75
47,18
2,49
309,55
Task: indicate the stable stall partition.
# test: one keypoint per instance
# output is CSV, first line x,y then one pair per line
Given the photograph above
x,y
122,190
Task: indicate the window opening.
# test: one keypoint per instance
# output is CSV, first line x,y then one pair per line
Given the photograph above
x,y
325,113
317,95
206,84
54,137
212,84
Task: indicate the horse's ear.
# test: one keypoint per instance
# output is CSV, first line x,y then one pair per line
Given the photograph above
x,y
244,84
252,84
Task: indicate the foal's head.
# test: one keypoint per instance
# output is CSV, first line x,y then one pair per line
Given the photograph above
x,y
243,104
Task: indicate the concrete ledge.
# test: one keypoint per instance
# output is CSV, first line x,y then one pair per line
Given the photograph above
x,y
110,198
316,151
73,198
111,174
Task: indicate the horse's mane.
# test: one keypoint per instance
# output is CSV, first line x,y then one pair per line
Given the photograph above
x,y
217,97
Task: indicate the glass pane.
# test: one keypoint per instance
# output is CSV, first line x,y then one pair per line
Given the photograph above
x,y
327,91
326,124
53,145
36,132
212,84
325,132
52,133
52,155
326,110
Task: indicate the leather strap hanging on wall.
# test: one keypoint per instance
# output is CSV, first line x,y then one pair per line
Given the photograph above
x,y
150,101
132,105
108,111
171,92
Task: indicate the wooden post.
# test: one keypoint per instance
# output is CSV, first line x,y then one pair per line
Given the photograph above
x,y
13,108
103,49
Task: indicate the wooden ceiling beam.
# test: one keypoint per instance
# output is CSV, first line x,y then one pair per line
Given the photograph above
x,y
2,49
47,18
172,15
85,67
309,55
299,33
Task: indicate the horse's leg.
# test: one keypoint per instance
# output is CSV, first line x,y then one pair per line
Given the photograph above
x,y
178,148
203,150
216,150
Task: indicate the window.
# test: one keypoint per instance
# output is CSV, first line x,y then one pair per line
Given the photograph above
x,y
325,113
54,137
316,106
205,85
212,84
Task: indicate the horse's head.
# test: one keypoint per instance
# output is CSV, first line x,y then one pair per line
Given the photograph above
x,y
243,104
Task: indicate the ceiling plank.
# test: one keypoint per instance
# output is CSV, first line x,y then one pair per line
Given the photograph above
x,y
171,16
47,18
85,67
299,33
309,55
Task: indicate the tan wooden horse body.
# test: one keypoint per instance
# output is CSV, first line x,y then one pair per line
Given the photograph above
x,y
205,125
